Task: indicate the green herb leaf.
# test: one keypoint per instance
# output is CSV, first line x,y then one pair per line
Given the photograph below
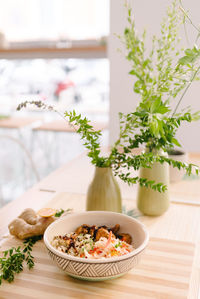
x,y
13,263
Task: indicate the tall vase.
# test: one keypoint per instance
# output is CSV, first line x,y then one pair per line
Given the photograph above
x,y
104,192
149,201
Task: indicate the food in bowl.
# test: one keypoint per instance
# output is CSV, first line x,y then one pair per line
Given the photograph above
x,y
94,242
97,269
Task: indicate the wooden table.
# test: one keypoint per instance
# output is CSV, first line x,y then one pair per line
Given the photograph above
x,y
17,122
170,269
63,126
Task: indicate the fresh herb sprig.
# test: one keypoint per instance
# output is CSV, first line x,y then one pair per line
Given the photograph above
x,y
164,71
29,242
90,137
161,76
12,261
60,212
146,160
136,129
124,159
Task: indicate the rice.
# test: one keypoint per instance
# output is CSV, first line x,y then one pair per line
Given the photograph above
x,y
84,246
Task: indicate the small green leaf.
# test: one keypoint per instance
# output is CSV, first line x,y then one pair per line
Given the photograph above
x,y
175,141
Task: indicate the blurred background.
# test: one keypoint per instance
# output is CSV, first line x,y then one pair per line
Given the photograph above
x,y
54,51
65,53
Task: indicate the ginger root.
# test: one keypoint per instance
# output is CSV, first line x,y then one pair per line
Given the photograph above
x,y
29,216
28,224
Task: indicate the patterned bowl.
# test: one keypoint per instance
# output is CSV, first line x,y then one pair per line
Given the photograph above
x,y
94,269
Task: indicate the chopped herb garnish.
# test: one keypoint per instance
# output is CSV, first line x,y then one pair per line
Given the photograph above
x,y
117,245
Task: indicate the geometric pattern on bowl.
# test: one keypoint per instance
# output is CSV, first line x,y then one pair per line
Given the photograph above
x,y
97,270
103,269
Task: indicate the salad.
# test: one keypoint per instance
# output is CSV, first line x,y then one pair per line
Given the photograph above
x,y
92,242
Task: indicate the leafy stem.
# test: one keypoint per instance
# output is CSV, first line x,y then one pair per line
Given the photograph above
x,y
90,138
152,130
186,89
12,261
188,17
146,160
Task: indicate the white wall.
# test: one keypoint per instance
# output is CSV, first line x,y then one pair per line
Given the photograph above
x,y
148,14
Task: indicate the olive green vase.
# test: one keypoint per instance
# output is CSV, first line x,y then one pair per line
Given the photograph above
x,y
151,202
104,192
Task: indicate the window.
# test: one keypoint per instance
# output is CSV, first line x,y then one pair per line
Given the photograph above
x,y
24,20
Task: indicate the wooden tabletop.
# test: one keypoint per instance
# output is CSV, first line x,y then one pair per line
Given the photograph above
x,y
171,268
64,126
13,122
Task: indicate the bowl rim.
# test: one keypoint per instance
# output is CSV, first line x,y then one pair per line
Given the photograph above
x,y
96,261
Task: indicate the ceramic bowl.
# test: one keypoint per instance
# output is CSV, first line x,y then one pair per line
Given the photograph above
x,y
97,269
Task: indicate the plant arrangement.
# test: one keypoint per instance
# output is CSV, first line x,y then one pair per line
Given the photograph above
x,y
120,156
163,75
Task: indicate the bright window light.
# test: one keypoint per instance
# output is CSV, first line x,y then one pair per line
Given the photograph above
x,y
24,20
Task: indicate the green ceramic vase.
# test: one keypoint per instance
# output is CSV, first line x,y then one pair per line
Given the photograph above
x,y
150,202
104,192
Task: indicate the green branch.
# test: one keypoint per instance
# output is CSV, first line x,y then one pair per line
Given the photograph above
x,y
186,89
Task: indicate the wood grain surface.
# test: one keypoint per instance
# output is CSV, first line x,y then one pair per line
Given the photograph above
x,y
169,269
76,175
164,272
172,259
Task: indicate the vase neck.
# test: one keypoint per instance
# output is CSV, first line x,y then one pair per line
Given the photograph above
x,y
103,171
155,151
